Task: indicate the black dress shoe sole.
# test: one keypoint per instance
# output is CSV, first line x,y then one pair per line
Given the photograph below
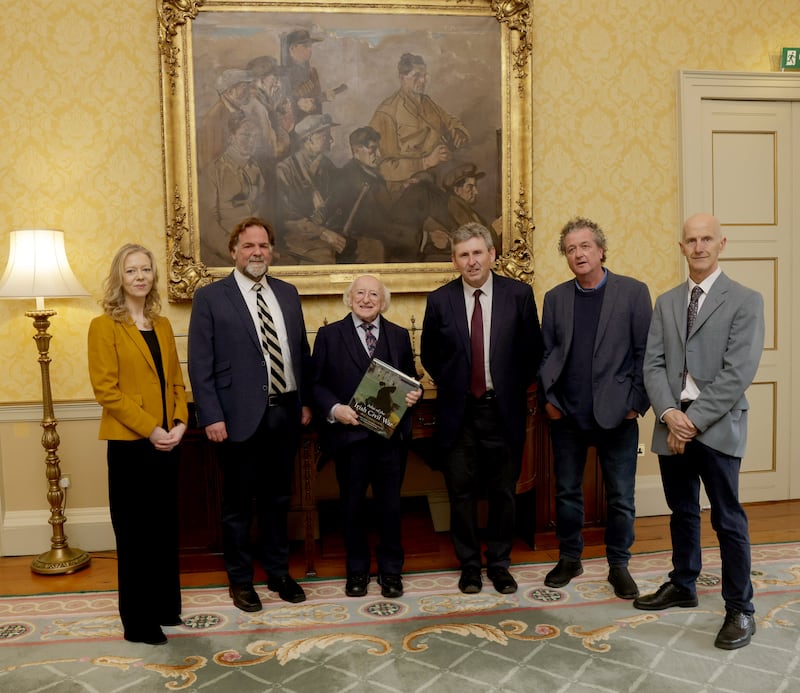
x,y
660,606
735,644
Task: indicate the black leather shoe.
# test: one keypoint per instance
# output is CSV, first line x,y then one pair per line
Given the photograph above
x,y
736,631
356,585
565,570
245,597
622,582
150,637
470,581
391,585
502,580
668,595
287,589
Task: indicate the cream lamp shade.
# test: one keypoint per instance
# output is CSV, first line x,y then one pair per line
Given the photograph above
x,y
38,267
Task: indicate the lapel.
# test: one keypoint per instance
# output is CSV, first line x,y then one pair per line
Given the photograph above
x,y
236,300
136,337
609,299
352,343
715,298
458,307
679,305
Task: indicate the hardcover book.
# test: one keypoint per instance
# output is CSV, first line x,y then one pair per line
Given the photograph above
x,y
380,398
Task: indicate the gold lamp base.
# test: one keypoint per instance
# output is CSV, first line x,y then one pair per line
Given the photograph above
x,y
62,561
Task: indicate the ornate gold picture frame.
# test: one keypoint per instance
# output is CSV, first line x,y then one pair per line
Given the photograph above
x,y
473,57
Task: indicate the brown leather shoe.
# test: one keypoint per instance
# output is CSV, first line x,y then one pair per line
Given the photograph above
x,y
737,630
667,596
245,597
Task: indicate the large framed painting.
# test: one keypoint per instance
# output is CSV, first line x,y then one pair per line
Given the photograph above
x,y
365,133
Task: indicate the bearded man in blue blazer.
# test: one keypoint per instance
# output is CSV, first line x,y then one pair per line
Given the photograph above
x,y
592,389
703,351
342,353
481,344
251,399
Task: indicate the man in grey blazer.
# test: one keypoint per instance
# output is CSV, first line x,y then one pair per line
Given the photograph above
x,y
703,351
592,389
250,397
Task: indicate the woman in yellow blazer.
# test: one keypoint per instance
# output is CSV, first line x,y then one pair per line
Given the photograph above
x,y
136,376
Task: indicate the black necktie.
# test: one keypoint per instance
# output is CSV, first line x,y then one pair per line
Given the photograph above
x,y
477,381
691,316
270,343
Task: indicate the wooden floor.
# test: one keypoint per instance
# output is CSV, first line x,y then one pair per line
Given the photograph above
x,y
425,550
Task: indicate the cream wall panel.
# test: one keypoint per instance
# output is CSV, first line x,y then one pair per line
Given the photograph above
x,y
759,274
744,177
762,397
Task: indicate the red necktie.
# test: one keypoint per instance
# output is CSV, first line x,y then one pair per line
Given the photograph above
x,y
477,381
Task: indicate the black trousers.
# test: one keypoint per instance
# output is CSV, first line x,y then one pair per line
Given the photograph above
x,y
143,499
482,464
259,469
382,464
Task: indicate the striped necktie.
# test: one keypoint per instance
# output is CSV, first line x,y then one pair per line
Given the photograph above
x,y
370,338
270,342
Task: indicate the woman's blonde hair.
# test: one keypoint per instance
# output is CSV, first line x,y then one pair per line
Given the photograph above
x,y
114,295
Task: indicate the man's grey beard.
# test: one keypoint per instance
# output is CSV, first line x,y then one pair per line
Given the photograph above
x,y
252,273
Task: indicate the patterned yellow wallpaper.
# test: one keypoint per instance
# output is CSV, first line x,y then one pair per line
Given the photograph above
x,y
80,124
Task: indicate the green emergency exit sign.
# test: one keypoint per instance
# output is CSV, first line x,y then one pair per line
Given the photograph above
x,y
790,59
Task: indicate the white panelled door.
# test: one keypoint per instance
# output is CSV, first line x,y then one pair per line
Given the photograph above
x,y
740,147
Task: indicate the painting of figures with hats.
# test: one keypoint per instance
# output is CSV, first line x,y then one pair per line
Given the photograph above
x,y
364,138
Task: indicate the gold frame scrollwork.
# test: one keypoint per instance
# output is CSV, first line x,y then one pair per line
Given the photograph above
x,y
186,272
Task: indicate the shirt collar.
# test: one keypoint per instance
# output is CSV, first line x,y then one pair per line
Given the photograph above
x,y
707,283
486,289
247,284
358,321
595,288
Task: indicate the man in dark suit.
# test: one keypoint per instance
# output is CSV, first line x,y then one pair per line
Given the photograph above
x,y
592,388
342,352
703,351
248,362
489,322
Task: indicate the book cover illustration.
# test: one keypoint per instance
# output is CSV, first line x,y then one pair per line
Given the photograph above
x,y
380,398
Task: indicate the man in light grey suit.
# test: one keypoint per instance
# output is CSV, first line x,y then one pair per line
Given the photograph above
x,y
592,389
703,351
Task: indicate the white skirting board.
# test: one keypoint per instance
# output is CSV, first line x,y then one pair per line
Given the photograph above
x,y
28,533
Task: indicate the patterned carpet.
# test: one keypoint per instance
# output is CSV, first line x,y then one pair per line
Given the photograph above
x,y
435,639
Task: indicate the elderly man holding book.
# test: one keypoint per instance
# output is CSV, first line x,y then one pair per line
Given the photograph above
x,y
344,352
